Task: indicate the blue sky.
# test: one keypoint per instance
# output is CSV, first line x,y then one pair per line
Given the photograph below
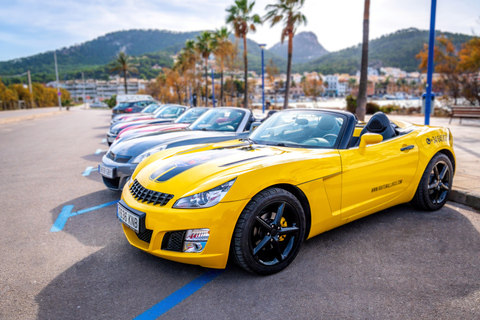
x,y
28,27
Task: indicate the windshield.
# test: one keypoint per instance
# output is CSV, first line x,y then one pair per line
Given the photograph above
x,y
191,115
300,128
151,108
220,119
170,112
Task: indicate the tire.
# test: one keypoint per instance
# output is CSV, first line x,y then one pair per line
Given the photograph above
x,y
269,232
436,183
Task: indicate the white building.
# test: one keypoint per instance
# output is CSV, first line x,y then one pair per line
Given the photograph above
x,y
99,89
331,84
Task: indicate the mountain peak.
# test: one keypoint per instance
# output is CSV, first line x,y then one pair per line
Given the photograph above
x,y
305,48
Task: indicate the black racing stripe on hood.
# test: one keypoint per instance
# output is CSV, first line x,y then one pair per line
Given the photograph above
x,y
244,160
186,162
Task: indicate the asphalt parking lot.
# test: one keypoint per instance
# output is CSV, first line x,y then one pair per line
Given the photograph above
x,y
64,255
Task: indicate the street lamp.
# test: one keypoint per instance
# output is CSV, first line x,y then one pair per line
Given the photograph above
x,y
263,46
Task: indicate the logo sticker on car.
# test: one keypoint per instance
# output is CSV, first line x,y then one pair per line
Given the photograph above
x,y
437,139
386,186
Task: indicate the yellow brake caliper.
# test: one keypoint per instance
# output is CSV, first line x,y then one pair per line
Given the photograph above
x,y
283,223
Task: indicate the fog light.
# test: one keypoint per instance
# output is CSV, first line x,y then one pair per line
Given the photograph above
x,y
195,240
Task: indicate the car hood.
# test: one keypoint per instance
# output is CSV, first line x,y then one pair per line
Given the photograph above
x,y
136,146
122,125
186,171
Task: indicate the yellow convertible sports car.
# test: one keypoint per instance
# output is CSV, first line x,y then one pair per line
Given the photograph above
x,y
300,173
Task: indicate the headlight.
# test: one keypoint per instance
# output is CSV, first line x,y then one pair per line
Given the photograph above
x,y
204,199
148,153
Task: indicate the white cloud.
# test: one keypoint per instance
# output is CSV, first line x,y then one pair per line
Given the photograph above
x,y
46,25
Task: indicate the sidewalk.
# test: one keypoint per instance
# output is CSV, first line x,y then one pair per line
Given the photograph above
x,y
466,143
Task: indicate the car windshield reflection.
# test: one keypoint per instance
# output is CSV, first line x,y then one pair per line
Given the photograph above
x,y
300,129
219,120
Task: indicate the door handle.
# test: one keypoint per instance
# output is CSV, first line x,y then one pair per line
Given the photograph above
x,y
410,147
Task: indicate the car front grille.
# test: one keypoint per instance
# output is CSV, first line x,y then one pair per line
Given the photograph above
x,y
142,194
117,158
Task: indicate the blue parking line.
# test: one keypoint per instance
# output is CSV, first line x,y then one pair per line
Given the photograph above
x,y
178,296
104,140
88,170
67,213
99,151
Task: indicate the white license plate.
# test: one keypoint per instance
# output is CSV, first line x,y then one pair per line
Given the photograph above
x,y
110,139
129,219
105,171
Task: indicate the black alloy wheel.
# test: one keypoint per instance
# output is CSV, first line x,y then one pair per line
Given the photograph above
x,y
269,232
436,183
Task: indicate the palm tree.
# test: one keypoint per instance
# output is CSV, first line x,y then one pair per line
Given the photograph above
x,y
241,17
221,48
204,48
192,57
288,12
122,65
362,89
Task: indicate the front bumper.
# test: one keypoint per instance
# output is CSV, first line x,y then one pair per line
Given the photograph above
x,y
159,221
121,173
111,138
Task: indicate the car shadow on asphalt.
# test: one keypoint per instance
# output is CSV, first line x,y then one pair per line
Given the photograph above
x,y
96,158
371,268
102,127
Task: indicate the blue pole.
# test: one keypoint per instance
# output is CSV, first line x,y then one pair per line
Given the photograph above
x,y
431,46
213,90
263,84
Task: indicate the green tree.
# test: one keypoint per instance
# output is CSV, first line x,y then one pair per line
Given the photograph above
x,y
122,65
288,12
243,21
362,89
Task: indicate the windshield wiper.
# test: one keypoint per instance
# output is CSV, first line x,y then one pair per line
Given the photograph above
x,y
283,144
251,141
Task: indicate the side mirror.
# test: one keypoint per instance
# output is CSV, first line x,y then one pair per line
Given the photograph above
x,y
254,125
370,138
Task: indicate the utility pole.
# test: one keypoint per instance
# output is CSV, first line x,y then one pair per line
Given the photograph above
x,y
213,89
431,46
263,46
59,94
30,88
83,93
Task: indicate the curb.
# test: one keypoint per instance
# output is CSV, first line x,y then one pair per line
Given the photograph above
x,y
466,198
28,117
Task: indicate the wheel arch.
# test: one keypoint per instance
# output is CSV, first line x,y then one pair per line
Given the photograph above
x,y
450,155
303,201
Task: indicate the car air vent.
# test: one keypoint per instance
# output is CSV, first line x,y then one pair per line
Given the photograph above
x,y
142,194
146,235
122,159
119,159
173,241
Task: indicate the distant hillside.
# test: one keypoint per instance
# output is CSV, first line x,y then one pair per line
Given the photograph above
x,y
305,48
393,50
254,54
98,52
155,47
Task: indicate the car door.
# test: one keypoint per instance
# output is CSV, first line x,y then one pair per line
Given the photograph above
x,y
376,175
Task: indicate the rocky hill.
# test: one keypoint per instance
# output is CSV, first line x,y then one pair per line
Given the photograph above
x,y
305,48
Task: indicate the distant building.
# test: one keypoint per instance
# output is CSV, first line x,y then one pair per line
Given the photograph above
x,y
331,85
370,72
99,89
